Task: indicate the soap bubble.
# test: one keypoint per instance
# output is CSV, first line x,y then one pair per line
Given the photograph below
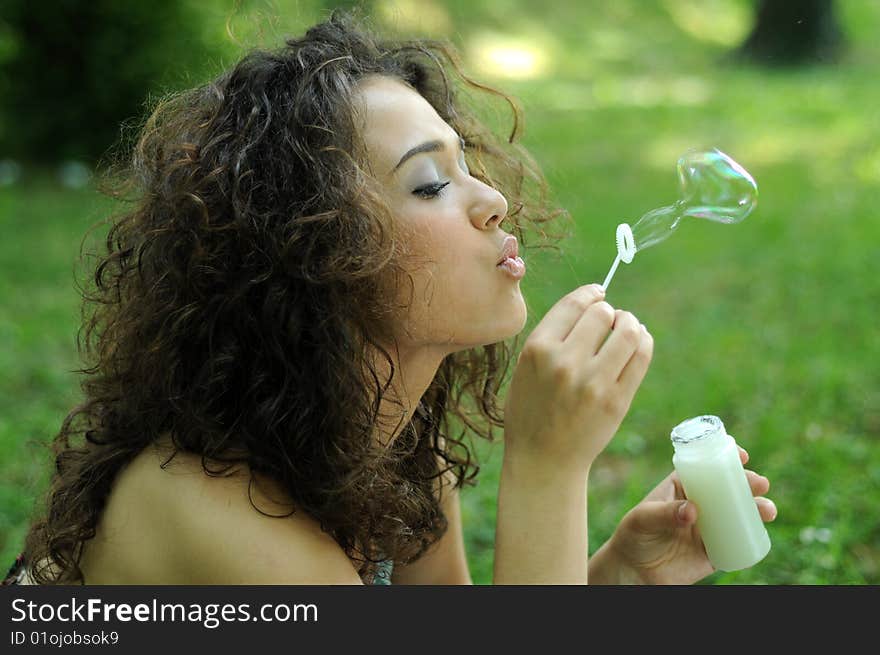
x,y
715,187
711,186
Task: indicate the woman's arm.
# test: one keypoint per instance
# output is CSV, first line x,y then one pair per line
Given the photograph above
x,y
541,533
607,569
574,382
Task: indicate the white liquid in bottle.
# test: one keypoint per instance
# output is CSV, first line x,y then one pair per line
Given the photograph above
x,y
707,461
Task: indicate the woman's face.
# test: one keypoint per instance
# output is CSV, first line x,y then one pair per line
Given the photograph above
x,y
461,297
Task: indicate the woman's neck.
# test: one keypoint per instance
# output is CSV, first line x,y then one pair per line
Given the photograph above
x,y
414,371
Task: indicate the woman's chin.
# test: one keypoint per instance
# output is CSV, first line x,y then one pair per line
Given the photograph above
x,y
514,323
520,317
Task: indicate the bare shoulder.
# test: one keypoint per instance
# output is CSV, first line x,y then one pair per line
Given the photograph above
x,y
202,529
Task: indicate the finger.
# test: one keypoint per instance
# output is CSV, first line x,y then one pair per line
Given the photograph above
x,y
562,317
651,518
626,336
637,367
743,455
686,514
758,483
679,487
766,508
592,328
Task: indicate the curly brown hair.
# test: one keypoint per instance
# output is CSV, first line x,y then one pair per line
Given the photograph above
x,y
247,283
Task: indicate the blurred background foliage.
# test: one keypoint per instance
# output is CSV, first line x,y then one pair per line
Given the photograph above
x,y
70,75
770,324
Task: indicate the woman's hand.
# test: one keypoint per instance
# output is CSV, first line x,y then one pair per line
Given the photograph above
x,y
657,542
574,382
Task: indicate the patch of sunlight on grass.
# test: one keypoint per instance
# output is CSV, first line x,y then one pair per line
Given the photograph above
x,y
608,44
647,91
638,92
771,146
509,56
414,16
569,96
786,144
723,22
867,168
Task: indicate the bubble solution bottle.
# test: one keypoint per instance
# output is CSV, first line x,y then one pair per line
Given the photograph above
x,y
708,464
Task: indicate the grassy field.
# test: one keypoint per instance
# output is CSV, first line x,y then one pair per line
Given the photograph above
x,y
770,324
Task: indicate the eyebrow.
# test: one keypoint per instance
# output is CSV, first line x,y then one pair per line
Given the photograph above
x,y
427,146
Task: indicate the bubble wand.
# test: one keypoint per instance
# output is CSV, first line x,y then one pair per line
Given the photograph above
x,y
712,186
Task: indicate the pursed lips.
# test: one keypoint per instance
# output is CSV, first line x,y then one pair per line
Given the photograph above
x,y
509,249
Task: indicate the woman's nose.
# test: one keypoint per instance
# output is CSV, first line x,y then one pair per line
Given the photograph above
x,y
488,207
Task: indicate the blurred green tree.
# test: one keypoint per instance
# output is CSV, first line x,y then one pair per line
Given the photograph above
x,y
793,33
72,71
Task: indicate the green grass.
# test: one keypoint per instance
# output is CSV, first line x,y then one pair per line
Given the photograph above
x,y
43,226
770,324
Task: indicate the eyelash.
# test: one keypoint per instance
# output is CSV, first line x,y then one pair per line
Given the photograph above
x,y
430,190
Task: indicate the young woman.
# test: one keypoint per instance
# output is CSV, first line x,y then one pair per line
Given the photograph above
x,y
307,305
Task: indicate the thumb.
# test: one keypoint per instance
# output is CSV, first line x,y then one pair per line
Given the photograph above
x,y
685,513
664,516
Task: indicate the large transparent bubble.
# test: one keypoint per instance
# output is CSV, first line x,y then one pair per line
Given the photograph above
x,y
711,186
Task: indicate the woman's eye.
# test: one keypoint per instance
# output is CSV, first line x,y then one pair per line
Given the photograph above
x,y
430,190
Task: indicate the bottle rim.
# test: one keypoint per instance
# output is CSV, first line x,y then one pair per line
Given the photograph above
x,y
696,429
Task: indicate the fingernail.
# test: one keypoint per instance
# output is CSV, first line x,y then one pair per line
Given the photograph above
x,y
772,506
681,511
